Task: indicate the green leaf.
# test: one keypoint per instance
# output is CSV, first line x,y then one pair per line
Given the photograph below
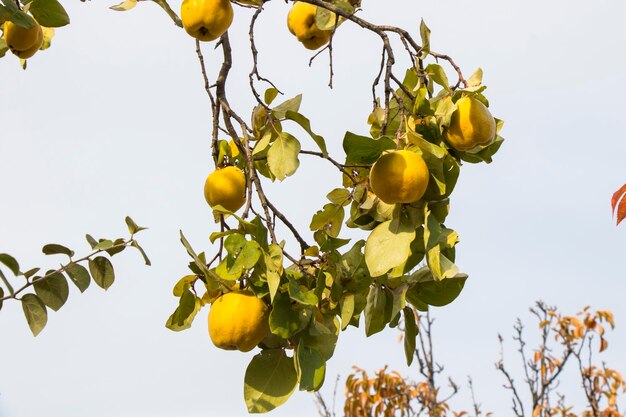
x,y
54,249
188,307
92,242
102,272
339,196
444,110
224,271
35,313
9,6
440,265
53,290
312,368
79,275
132,226
485,154
146,260
329,243
270,95
31,272
306,125
183,284
103,244
410,333
325,19
10,263
124,6
398,299
262,144
234,244
438,75
11,12
437,239
282,157
438,293
201,265
425,146
416,302
284,321
274,268
260,232
293,104
425,35
118,246
329,219
375,310
388,246
243,259
49,13
347,310
322,336
270,380
302,297
362,150
218,235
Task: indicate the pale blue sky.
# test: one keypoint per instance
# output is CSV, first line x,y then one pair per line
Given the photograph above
x,y
113,121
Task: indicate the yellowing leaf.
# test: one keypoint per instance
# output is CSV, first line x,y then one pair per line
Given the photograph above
x,y
124,6
438,75
282,157
476,78
188,307
3,47
425,35
48,34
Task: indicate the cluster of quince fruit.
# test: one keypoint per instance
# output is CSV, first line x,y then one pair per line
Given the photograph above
x,y
22,42
207,20
238,319
402,176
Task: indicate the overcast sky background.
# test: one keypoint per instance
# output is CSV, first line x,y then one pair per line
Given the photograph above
x,y
113,121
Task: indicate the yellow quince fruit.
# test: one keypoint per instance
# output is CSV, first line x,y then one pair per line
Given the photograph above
x,y
399,177
206,20
238,320
301,23
472,127
226,187
23,42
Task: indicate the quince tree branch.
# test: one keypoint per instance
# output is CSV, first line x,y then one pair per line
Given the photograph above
x,y
14,294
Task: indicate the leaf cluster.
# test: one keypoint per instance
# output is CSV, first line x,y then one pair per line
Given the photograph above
x,y
50,290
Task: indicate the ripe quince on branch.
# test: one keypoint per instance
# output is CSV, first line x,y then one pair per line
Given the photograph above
x,y
226,187
238,321
24,43
206,20
301,22
399,177
472,127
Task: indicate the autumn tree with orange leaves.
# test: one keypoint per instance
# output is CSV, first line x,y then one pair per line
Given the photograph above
x,y
565,342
